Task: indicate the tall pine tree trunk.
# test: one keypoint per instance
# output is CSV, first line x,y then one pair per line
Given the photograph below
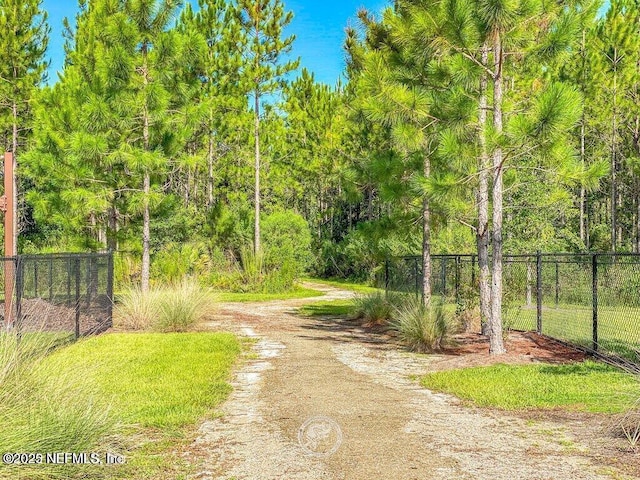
x,y
146,217
112,229
583,231
256,238
583,199
482,234
210,164
146,236
614,160
496,344
426,239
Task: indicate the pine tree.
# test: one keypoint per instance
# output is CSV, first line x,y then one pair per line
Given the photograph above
x,y
406,89
119,121
218,104
498,38
149,59
308,168
264,22
615,64
22,68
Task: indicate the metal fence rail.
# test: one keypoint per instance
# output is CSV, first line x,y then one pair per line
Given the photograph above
x,y
589,300
66,294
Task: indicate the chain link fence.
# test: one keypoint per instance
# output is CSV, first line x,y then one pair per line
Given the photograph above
x,y
70,295
589,300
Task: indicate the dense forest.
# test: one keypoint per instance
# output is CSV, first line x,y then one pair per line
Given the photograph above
x,y
188,140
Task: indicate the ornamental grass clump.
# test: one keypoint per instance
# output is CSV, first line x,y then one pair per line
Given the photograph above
x,y
377,308
135,309
183,305
43,409
176,307
423,328
372,309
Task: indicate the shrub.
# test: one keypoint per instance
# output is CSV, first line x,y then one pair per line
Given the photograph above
x,y
629,427
177,261
287,241
173,308
422,328
127,269
467,314
281,279
374,308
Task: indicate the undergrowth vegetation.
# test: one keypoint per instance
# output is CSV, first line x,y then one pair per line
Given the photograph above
x,y
175,307
286,255
374,309
422,328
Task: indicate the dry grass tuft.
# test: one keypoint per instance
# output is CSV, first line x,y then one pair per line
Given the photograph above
x,y
173,308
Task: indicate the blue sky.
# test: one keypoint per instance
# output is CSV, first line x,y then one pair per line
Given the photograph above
x,y
318,25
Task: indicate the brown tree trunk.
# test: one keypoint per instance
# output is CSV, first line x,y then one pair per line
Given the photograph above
x,y
146,217
256,238
210,166
146,236
482,234
496,343
614,160
583,230
426,240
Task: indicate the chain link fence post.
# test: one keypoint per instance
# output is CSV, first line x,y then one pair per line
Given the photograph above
x,y
110,298
386,276
557,284
76,265
539,292
457,284
594,301
19,293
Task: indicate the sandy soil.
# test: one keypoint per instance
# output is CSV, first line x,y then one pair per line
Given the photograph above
x,y
389,426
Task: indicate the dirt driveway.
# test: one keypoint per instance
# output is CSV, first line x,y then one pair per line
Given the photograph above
x,y
324,399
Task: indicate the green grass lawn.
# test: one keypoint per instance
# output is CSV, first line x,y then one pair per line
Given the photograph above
x,y
618,327
157,387
588,386
345,284
155,380
298,292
